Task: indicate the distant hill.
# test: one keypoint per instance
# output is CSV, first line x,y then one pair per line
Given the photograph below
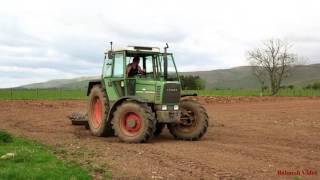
x,y
234,78
242,78
76,83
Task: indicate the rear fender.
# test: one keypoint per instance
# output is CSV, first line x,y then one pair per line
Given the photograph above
x,y
91,84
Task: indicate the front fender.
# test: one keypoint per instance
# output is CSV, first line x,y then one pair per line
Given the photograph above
x,y
120,101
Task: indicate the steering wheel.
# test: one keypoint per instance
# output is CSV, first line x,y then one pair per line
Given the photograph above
x,y
139,75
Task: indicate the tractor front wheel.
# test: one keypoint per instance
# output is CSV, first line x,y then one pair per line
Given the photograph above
x,y
194,122
134,122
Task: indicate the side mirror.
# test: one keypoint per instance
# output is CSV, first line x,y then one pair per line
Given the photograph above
x,y
110,54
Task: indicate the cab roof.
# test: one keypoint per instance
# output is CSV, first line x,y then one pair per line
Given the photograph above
x,y
139,49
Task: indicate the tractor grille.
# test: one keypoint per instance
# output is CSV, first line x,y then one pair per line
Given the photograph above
x,y
158,93
171,93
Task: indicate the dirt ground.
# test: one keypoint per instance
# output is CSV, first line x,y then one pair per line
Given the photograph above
x,y
248,138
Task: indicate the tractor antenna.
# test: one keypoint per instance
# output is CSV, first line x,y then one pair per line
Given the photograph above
x,y
111,45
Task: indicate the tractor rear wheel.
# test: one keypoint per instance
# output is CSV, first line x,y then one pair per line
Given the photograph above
x,y
134,122
98,109
194,121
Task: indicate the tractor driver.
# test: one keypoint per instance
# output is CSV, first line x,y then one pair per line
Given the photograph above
x,y
133,68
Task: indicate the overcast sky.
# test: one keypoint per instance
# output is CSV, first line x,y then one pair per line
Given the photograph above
x,y
42,40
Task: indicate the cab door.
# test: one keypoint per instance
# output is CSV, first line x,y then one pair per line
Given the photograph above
x,y
145,86
115,83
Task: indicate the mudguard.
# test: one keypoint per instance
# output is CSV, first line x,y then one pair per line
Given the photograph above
x,y
119,101
92,83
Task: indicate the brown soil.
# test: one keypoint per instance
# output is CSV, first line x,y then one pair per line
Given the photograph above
x,y
248,138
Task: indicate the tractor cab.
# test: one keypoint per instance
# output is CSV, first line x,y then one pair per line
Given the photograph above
x,y
157,73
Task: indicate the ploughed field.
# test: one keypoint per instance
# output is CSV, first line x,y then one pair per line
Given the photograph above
x,y
247,138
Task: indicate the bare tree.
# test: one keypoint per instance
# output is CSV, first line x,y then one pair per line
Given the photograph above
x,y
272,63
261,74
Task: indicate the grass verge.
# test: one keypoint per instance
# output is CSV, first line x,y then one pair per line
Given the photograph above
x,y
25,159
80,94
248,92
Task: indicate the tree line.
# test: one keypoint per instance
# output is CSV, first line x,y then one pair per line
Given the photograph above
x,y
315,86
192,82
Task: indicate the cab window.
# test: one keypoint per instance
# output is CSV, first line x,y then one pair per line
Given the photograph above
x,y
118,69
107,68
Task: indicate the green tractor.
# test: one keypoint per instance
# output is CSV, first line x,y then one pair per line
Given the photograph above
x,y
138,107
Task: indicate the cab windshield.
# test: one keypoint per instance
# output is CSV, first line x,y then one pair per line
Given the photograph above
x,y
172,72
153,65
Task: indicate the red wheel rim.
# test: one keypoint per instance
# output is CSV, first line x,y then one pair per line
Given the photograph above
x,y
131,124
97,119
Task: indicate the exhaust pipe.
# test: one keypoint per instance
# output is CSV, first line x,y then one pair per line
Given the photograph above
x,y
165,62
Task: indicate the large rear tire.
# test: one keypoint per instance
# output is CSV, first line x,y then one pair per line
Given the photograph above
x,y
194,122
98,109
134,122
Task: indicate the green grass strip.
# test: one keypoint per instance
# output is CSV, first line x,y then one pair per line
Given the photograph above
x,y
32,160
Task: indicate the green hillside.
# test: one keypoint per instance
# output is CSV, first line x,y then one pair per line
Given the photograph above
x,y
242,78
303,75
77,83
234,78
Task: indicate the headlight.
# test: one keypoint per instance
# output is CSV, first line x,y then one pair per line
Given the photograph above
x,y
176,107
164,107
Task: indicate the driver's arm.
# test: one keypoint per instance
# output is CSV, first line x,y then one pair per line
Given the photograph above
x,y
141,70
128,69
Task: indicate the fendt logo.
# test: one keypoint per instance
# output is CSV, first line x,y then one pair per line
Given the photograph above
x,y
172,89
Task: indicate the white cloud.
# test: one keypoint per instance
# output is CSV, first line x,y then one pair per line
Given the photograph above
x,y
67,38
11,76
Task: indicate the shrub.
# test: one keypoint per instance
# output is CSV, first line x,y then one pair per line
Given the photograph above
x,y
307,87
290,87
5,137
316,85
